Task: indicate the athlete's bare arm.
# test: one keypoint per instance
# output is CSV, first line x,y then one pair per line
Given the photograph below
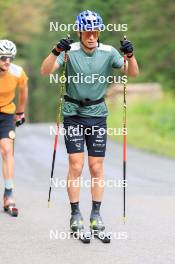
x,y
49,65
22,98
131,67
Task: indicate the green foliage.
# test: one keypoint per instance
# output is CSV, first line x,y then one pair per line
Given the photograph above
x,y
150,28
151,124
3,27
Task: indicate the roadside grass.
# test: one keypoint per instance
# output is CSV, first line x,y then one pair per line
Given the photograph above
x,y
150,124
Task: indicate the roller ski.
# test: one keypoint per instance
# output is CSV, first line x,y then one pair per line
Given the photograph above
x,y
10,207
77,229
98,229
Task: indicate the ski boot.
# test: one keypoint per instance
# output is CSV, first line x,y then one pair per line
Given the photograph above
x,y
9,206
77,228
97,228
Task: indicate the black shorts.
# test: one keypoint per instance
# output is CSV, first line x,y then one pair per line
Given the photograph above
x,y
7,126
90,130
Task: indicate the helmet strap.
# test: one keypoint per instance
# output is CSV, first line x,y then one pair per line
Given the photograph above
x,y
98,41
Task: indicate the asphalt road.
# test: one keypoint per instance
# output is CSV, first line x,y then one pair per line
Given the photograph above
x,y
40,235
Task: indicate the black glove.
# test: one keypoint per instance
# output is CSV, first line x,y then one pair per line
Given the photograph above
x,y
20,119
64,44
126,46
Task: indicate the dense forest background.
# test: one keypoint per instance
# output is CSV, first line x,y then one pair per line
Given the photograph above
x,y
150,28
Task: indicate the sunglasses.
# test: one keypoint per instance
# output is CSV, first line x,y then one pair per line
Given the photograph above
x,y
4,58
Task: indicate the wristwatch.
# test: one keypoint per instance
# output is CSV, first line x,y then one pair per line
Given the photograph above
x,y
55,52
130,56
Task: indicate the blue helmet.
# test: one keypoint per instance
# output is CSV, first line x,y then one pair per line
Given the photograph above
x,y
89,20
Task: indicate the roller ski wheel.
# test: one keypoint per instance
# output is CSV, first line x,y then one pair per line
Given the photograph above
x,y
97,228
77,229
82,235
101,235
10,207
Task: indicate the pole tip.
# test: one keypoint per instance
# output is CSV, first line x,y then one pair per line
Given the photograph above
x,y
48,204
124,219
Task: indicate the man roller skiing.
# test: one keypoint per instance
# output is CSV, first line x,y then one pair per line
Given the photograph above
x,y
84,107
11,76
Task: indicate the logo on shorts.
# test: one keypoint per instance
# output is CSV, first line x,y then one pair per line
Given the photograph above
x,y
12,134
78,145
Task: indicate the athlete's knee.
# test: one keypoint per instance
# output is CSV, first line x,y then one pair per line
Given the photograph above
x,y
76,166
6,151
96,167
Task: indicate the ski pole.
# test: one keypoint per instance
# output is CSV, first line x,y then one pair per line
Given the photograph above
x,y
58,119
124,141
